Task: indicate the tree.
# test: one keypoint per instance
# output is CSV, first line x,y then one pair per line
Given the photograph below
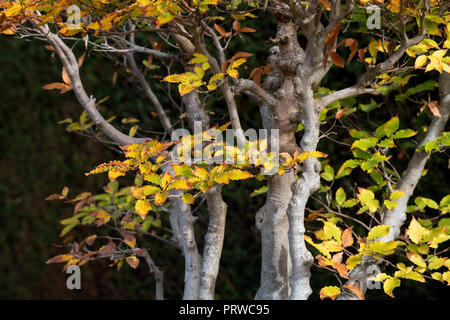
x,y
194,55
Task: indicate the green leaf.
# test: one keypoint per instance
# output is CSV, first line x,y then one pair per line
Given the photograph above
x,y
365,144
331,230
407,133
340,196
328,173
388,128
357,134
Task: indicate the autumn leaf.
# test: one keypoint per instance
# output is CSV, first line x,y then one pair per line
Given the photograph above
x,y
62,87
133,261
347,237
142,208
329,292
416,232
355,290
188,198
420,61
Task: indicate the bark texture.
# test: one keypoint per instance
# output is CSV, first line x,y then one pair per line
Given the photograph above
x,y
212,250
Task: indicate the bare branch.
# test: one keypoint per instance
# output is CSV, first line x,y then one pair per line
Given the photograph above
x,y
243,85
149,93
71,65
343,94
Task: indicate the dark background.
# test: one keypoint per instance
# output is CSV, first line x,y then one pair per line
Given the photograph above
x,y
39,158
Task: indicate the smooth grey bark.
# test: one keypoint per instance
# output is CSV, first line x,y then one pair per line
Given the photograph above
x,y
408,182
217,208
272,222
192,257
212,251
308,183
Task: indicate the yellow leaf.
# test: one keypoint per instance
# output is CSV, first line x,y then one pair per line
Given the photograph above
x,y
416,232
390,284
161,198
179,185
420,61
352,261
142,208
378,231
236,174
188,198
329,292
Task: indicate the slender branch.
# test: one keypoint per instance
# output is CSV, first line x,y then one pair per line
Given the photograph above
x,y
343,94
244,85
159,276
71,65
149,93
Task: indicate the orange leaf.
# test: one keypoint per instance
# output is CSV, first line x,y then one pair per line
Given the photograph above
x,y
355,290
65,77
337,59
347,238
236,25
58,86
326,4
247,30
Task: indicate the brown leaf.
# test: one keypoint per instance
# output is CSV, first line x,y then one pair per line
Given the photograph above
x,y
79,205
81,60
236,25
128,238
347,237
435,108
240,55
65,77
50,48
53,197
353,50
108,248
326,4
362,54
355,290
133,261
332,37
341,113
337,59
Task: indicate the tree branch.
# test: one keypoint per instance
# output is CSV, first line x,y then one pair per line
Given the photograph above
x,y
343,94
69,62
